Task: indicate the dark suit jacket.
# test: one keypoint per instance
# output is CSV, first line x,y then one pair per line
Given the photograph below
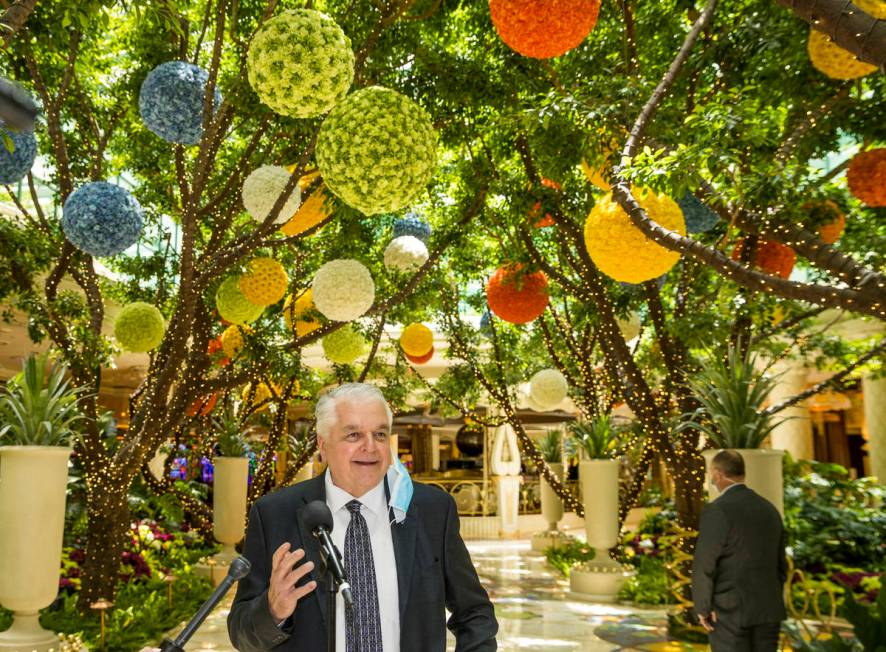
x,y
434,573
739,567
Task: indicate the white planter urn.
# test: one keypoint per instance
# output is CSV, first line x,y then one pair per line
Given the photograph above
x,y
763,473
230,480
33,486
599,580
552,512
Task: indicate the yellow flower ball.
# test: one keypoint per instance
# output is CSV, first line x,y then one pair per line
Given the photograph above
x,y
262,394
232,339
595,175
834,61
265,282
417,340
305,313
620,249
312,211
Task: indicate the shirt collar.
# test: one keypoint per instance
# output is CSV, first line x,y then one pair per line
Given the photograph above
x,y
374,500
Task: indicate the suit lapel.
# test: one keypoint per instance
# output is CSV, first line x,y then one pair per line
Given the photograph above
x,y
316,491
404,537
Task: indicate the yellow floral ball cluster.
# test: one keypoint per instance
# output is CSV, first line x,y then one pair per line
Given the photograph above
x,y
232,339
232,305
304,311
417,340
265,282
620,249
262,393
313,210
836,62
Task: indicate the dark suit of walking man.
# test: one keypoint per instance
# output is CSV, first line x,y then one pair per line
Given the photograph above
x,y
739,568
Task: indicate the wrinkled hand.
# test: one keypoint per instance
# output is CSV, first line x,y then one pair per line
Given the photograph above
x,y
708,621
286,572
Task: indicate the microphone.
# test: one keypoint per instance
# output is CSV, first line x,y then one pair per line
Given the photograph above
x,y
318,518
238,570
17,109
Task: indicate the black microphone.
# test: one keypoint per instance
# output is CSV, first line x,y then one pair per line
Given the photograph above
x,y
17,109
318,518
238,570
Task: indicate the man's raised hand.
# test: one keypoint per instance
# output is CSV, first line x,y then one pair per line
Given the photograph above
x,y
287,570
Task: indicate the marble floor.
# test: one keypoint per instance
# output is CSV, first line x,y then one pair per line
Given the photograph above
x,y
534,609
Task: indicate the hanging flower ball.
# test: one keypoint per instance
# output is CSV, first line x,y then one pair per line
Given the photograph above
x,y
312,211
101,219
412,225
300,63
344,345
139,327
261,190
15,165
547,220
232,305
420,359
772,257
405,254
699,218
265,282
543,28
416,340
548,388
261,395
486,324
629,326
203,405
866,176
343,290
620,249
517,297
834,61
377,150
829,218
171,101
304,311
232,339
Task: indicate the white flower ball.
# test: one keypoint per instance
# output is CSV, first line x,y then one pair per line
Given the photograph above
x,y
405,254
629,326
261,190
343,290
548,388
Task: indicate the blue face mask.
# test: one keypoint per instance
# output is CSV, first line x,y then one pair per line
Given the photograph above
x,y
400,485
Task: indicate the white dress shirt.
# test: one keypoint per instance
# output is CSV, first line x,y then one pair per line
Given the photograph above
x,y
375,512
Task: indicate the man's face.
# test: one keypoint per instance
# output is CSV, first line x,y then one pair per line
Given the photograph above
x,y
357,449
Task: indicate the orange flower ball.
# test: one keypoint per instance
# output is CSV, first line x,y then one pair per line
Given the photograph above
x,y
420,359
866,176
547,220
829,217
312,211
517,297
416,340
772,257
203,405
543,28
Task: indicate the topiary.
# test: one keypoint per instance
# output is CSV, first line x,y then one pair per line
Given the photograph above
x,y
263,187
102,219
548,388
420,359
344,345
139,327
304,312
170,101
265,282
232,305
543,28
866,176
416,340
770,256
412,224
698,217
15,164
517,296
343,290
405,254
232,341
312,211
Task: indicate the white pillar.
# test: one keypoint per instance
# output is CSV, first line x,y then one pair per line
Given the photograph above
x,y
435,450
874,391
795,434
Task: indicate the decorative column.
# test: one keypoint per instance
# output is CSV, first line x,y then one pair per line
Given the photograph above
x,y
874,391
504,463
230,484
435,450
551,511
795,434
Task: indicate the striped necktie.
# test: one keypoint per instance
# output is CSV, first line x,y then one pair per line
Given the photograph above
x,y
363,619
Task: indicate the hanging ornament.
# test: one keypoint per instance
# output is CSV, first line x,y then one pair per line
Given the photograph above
x,y
377,150
405,254
829,218
343,290
102,219
832,60
772,257
262,394
232,339
265,282
629,326
620,249
543,28
232,305
203,405
305,313
139,327
547,220
412,224
416,340
15,165
866,176
517,297
548,388
300,63
420,359
170,101
485,324
263,187
312,211
344,345
698,217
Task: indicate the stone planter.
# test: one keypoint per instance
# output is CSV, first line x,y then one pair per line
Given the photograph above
x,y
33,485
229,504
763,473
552,511
600,579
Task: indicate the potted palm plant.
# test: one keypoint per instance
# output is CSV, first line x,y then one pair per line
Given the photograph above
x,y
551,505
732,393
39,416
230,482
297,446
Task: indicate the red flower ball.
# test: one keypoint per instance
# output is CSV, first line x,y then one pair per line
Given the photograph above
x,y
203,405
772,257
547,220
543,28
866,176
415,359
515,296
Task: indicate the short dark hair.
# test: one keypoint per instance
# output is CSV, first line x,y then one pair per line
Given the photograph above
x,y
730,462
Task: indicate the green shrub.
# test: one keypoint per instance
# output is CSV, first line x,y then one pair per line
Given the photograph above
x,y
649,585
564,557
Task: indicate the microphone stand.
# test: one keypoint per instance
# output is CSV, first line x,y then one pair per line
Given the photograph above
x,y
332,587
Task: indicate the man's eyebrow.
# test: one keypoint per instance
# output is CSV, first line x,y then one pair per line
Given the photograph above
x,y
351,427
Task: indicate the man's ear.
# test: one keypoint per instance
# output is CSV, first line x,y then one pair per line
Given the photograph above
x,y
321,447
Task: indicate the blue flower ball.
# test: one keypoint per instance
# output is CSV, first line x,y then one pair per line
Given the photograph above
x,y
102,219
171,101
699,218
485,327
14,165
413,225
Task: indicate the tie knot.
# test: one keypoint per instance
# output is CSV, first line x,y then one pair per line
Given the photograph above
x,y
354,506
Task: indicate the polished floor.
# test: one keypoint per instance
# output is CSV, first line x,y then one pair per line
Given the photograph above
x,y
534,609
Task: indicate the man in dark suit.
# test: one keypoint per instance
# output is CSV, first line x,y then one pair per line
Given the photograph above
x,y
739,568
404,571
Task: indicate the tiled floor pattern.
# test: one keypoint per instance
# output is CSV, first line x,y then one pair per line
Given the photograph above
x,y
533,607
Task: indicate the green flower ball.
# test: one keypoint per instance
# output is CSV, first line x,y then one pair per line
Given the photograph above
x,y
232,305
139,327
300,63
377,150
344,345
